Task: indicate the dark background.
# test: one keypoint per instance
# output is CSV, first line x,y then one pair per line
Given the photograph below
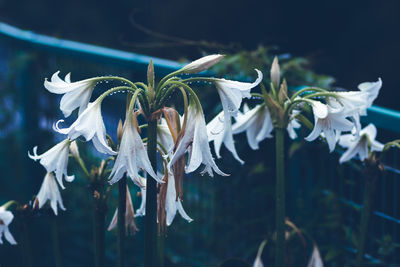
x,y
354,41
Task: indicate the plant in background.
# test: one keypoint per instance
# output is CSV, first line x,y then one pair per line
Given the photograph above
x,y
365,148
334,112
169,134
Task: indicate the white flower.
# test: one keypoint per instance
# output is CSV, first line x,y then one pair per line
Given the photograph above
x,y
55,159
76,94
195,141
256,122
90,125
130,225
6,218
132,156
164,136
202,63
232,92
293,124
172,203
49,191
360,144
219,130
142,209
351,102
372,88
329,121
315,260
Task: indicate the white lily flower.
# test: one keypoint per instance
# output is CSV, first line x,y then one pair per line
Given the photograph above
x,y
315,260
49,191
132,156
329,121
360,144
164,136
76,94
256,122
372,88
130,225
172,203
202,63
90,125
219,130
232,93
293,124
6,218
142,209
55,159
196,141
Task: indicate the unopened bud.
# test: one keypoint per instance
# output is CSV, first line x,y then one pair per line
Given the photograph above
x,y
202,64
275,73
120,130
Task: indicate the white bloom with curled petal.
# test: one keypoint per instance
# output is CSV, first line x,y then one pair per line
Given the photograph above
x,y
76,94
293,124
173,204
55,159
90,125
372,88
360,144
49,191
219,130
256,122
202,63
232,92
132,156
195,141
329,121
6,218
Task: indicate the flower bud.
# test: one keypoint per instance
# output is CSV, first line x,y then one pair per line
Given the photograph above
x,y
202,64
275,73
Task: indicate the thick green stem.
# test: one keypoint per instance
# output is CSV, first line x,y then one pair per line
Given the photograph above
x,y
121,220
280,197
369,189
99,232
56,243
150,231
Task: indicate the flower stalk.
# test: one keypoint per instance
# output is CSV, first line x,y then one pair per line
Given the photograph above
x,y
150,220
371,174
121,220
280,196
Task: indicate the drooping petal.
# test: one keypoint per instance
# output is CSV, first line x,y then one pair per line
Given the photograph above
x,y
76,94
6,218
315,260
232,92
372,88
132,156
55,160
49,191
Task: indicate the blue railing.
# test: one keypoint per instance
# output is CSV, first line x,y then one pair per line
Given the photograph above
x,y
382,117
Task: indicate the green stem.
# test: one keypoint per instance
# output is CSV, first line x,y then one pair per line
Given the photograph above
x,y
121,220
56,242
280,197
365,216
150,220
99,222
307,89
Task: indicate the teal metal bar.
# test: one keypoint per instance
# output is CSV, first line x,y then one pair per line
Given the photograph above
x,y
136,60
383,118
